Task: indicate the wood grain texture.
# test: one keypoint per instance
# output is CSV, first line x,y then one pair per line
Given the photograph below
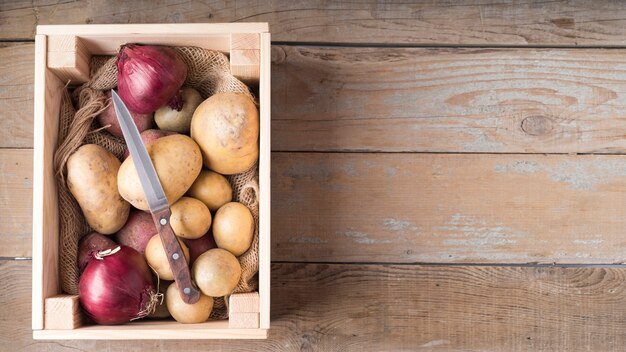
x,y
362,207
68,58
394,99
265,184
243,303
581,22
449,100
63,312
505,208
45,243
16,202
394,308
16,94
243,320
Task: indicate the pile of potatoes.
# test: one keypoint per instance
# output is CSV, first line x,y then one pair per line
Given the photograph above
x,y
191,151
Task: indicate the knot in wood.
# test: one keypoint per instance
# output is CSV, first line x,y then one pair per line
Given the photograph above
x,y
278,55
537,125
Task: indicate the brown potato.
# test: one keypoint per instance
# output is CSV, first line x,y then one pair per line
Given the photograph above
x,y
212,189
177,161
157,258
226,127
216,272
187,313
92,180
190,218
233,228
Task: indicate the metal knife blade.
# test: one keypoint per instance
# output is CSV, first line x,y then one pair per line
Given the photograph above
x,y
157,201
155,196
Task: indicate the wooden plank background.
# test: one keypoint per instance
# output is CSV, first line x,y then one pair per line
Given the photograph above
x,y
404,133
352,307
526,22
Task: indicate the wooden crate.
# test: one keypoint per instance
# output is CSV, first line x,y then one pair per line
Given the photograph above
x,y
62,54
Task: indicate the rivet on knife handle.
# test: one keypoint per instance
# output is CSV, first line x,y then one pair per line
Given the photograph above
x,y
177,260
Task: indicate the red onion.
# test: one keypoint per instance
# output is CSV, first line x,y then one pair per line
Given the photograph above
x,y
116,287
149,76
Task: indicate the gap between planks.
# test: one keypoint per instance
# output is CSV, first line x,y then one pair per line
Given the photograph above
x,y
399,45
489,265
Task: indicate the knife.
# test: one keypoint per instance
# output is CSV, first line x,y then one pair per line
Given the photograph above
x,y
159,206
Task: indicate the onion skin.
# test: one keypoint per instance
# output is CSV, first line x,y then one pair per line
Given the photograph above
x,y
149,76
117,288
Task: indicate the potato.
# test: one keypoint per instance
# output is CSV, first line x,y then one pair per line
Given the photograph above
x,y
199,245
137,231
233,228
190,218
212,189
89,244
216,272
109,118
157,258
187,313
177,161
92,180
169,119
149,136
226,127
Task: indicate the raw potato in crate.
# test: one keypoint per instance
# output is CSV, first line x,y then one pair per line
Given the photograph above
x,y
92,179
209,73
190,219
212,189
233,228
177,161
226,127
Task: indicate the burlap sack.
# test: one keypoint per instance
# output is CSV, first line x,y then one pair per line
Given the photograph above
x,y
208,73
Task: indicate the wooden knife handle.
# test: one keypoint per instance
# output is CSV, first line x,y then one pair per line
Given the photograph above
x,y
188,292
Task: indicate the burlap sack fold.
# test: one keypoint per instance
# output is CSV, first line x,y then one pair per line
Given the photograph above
x,y
208,73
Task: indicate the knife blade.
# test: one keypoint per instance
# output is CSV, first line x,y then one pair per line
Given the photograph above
x,y
157,201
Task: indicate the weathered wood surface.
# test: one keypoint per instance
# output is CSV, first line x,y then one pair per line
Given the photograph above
x,y
394,308
403,207
16,94
364,207
16,202
423,100
582,22
449,100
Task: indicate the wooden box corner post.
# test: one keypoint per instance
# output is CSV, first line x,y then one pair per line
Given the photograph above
x,y
62,312
245,57
68,58
243,310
